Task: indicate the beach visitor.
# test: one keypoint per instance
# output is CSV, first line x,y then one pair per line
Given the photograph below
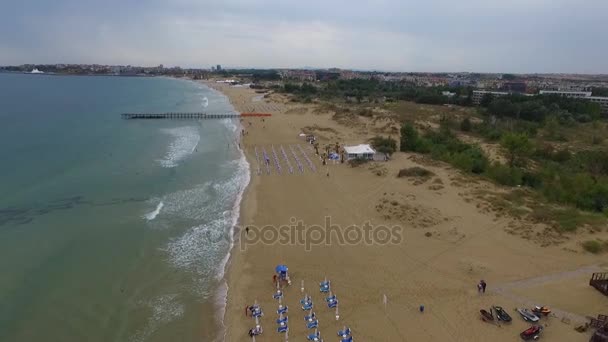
x,y
421,308
483,286
247,230
246,310
274,279
479,287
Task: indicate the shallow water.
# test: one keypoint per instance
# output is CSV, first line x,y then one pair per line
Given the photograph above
x,y
113,230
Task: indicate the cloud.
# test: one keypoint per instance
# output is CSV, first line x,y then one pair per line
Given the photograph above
x,y
434,35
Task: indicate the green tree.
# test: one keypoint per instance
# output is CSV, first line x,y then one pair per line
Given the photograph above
x,y
409,138
384,145
486,100
517,145
465,125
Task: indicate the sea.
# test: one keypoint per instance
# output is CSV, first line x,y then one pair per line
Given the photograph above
x,y
113,229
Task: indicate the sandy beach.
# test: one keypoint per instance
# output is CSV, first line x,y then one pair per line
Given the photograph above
x,y
443,240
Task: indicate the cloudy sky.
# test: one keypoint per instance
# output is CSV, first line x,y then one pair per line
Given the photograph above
x,y
392,35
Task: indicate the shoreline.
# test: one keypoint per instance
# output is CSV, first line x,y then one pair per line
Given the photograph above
x,y
440,271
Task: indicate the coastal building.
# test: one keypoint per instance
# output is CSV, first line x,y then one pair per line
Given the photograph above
x,y
569,94
479,94
514,87
583,95
362,151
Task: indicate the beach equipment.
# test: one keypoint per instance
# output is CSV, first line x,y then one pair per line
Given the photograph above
x,y
348,339
257,330
527,315
312,324
282,309
282,328
532,333
344,332
332,301
541,310
278,294
324,286
256,311
311,316
307,306
501,314
282,319
486,316
316,336
306,299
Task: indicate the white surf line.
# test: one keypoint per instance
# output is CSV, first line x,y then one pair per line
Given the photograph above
x,y
152,215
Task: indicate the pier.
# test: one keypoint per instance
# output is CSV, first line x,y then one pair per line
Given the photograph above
x,y
131,116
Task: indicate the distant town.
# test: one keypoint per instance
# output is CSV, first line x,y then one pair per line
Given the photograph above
x,y
593,88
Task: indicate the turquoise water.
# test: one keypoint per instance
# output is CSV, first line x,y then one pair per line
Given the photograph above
x,y
113,230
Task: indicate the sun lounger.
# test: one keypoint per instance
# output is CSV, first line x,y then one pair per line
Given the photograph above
x,y
278,294
324,286
282,328
344,332
282,310
307,306
282,320
314,337
310,317
348,339
306,299
330,298
312,324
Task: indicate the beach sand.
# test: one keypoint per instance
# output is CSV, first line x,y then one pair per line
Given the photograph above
x,y
449,241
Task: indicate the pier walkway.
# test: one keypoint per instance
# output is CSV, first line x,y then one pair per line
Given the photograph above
x,y
131,116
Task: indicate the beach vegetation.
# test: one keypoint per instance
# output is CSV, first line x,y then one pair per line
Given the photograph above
x,y
595,246
415,171
384,145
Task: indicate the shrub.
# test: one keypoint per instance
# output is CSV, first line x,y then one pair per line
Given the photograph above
x,y
465,125
357,162
384,145
415,172
505,175
470,160
593,246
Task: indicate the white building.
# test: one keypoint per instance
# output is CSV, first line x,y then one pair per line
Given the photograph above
x,y
479,94
585,95
362,151
572,94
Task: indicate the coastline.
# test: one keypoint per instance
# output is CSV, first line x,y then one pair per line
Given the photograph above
x,y
440,272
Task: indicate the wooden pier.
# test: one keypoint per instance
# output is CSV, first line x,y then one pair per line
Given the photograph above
x,y
600,282
152,116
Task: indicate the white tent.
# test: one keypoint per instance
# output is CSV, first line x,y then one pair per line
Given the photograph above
x,y
362,151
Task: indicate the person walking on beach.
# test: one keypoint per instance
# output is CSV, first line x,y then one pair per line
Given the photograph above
x,y
246,310
247,230
483,286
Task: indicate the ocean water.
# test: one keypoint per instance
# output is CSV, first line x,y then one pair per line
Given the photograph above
x,y
111,229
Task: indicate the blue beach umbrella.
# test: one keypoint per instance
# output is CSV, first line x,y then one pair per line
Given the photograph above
x,y
281,269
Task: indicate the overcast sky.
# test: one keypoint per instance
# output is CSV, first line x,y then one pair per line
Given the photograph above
x,y
392,35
